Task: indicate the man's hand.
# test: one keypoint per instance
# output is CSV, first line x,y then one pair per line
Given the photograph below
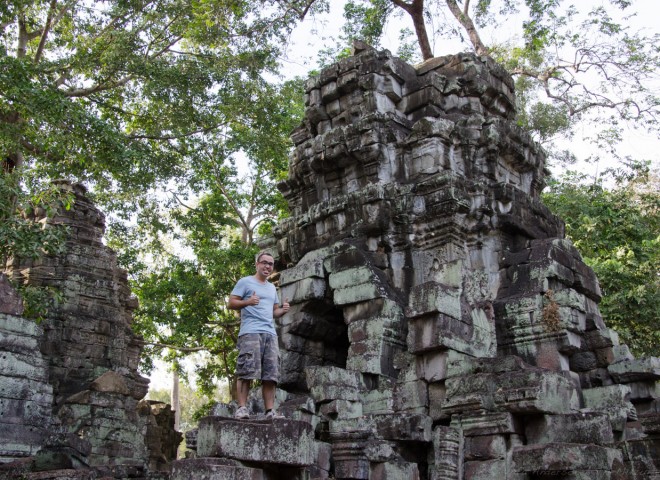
x,y
282,309
253,299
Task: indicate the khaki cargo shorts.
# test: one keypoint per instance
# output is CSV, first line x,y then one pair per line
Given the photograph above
x,y
258,357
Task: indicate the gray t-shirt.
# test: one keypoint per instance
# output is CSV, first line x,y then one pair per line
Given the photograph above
x,y
256,318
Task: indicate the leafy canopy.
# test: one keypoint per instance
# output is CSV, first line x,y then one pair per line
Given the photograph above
x,y
125,96
209,246
154,106
617,230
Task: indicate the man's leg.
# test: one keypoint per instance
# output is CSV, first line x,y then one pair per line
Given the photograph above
x,y
270,370
247,367
268,393
242,391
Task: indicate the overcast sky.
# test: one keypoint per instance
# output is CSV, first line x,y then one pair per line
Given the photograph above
x,y
315,34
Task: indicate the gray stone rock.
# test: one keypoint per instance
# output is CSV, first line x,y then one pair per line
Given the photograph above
x,y
70,398
213,469
582,427
11,302
561,458
279,441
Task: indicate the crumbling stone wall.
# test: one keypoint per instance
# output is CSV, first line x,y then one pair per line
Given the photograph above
x,y
71,395
441,326
26,397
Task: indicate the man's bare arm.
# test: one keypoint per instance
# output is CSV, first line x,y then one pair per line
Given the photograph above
x,y
236,302
278,311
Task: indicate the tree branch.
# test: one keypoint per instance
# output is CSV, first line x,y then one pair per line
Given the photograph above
x,y
83,92
23,38
303,13
416,11
466,22
597,100
38,151
234,207
166,48
173,347
175,137
178,200
45,31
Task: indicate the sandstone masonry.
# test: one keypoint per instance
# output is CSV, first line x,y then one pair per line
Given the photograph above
x,y
441,326
71,396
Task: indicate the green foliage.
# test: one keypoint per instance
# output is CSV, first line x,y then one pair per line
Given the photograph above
x,y
154,106
194,405
183,309
617,231
330,55
579,65
547,121
201,245
204,410
22,238
487,12
365,20
126,96
39,301
408,49
19,236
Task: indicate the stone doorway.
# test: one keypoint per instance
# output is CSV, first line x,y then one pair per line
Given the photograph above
x,y
315,335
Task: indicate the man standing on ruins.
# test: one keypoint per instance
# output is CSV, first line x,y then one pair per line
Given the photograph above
x,y
258,352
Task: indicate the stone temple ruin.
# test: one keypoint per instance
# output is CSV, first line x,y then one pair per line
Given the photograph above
x,y
442,327
70,395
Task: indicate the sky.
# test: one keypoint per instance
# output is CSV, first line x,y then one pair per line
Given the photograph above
x,y
315,34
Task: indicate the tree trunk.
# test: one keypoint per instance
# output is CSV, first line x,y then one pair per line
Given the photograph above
x,y
174,399
466,22
416,12
233,389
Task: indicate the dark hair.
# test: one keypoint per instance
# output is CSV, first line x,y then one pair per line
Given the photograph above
x,y
261,254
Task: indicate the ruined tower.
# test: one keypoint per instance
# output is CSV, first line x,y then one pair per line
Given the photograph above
x,y
441,325
71,397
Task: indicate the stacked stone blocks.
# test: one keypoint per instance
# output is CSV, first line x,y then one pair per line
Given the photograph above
x,y
441,326
70,388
